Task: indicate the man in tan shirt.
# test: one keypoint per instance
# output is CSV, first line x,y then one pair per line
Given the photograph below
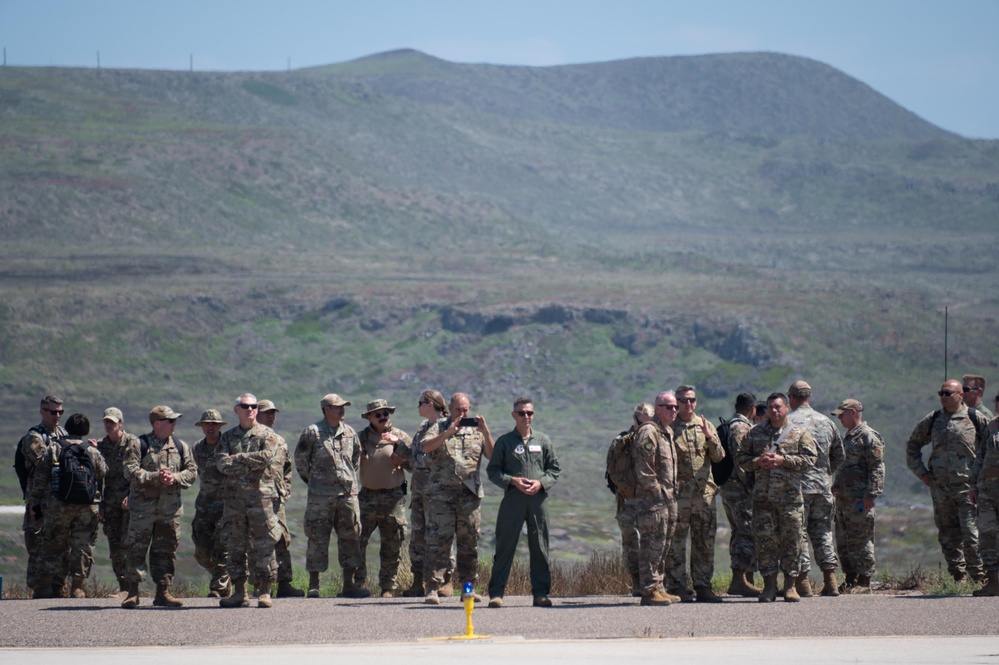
x,y
385,450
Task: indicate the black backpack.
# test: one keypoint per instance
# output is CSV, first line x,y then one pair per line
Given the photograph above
x,y
722,471
77,476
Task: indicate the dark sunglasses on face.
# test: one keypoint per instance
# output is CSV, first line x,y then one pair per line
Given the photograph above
x,y
382,415
525,413
671,407
248,407
422,402
947,393
686,400
56,412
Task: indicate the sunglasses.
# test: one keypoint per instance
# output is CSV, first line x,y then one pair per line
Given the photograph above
x,y
381,415
248,407
671,407
55,412
422,402
524,413
947,393
686,400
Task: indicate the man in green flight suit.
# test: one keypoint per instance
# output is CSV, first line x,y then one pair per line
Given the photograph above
x,y
524,465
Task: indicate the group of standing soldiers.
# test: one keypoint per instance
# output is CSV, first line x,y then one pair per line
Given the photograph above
x,y
792,479
356,485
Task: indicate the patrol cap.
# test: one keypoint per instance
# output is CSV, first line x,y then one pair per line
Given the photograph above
x,y
211,416
333,400
113,414
846,405
163,413
378,405
265,405
799,389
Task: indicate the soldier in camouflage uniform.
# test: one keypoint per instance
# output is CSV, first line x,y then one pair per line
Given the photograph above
x,y
626,515
778,453
816,489
385,452
858,482
70,528
455,491
654,502
432,408
206,530
974,387
954,434
737,499
986,497
114,516
697,445
328,458
31,447
251,458
267,415
158,466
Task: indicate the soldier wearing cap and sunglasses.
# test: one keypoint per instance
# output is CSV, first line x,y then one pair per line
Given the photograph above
x,y
385,452
954,433
113,514
328,459
158,466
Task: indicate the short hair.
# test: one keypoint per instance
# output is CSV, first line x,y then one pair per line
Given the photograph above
x,y
745,401
49,399
237,402
761,409
457,395
77,425
520,401
773,396
663,394
685,389
974,380
643,409
436,398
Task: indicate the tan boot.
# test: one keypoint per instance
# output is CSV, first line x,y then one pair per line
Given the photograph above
x,y
829,585
432,598
790,593
656,598
263,587
238,597
863,585
803,586
132,597
313,591
76,589
446,590
416,588
740,585
164,598
991,587
769,593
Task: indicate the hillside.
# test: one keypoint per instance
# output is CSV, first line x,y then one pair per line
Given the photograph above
x,y
588,234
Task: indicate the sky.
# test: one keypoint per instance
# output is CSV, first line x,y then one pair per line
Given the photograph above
x,y
939,58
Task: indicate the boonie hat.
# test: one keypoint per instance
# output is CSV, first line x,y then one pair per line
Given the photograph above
x,y
378,405
333,400
846,405
113,414
209,416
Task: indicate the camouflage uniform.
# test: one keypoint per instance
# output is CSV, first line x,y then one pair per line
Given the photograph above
x,y
695,498
418,499
252,462
778,506
816,488
155,510
206,530
627,521
654,503
328,460
70,531
33,446
383,508
453,514
115,491
955,439
861,476
282,549
737,499
986,473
